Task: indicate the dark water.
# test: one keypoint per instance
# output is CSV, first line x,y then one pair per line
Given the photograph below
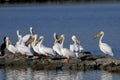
x,y
82,20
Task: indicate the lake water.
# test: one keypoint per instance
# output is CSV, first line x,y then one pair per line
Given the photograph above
x,y
29,74
82,20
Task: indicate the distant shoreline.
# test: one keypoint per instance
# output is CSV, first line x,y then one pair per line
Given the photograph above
x,y
52,3
14,2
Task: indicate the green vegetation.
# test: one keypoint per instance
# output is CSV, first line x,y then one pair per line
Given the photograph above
x,y
52,1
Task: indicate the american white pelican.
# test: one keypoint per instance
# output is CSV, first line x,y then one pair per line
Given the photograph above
x,y
45,50
11,48
66,52
20,40
24,50
105,48
33,42
26,37
56,46
76,47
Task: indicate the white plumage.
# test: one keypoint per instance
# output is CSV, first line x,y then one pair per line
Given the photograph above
x,y
26,37
105,48
56,46
10,46
76,47
35,48
45,50
24,50
66,52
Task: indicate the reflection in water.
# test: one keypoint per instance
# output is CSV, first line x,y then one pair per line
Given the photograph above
x,y
21,74
106,76
79,76
30,74
40,75
53,75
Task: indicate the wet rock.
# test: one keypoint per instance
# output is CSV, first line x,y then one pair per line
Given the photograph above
x,y
84,62
112,65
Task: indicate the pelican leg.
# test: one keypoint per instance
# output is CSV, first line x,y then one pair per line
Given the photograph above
x,y
67,60
47,57
14,56
106,56
24,56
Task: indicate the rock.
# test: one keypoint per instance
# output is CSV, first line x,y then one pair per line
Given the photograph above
x,y
84,62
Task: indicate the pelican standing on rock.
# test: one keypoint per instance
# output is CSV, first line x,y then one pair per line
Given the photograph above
x,y
76,47
56,46
105,48
24,50
66,52
46,51
11,48
34,44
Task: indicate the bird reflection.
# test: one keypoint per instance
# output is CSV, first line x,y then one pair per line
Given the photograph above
x,y
19,74
30,74
40,75
79,75
106,76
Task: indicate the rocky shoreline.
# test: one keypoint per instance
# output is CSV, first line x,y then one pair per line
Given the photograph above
x,y
87,61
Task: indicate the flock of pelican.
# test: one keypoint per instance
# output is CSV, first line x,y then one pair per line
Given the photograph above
x,y
31,45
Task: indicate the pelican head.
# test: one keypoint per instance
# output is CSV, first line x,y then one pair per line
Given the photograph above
x,y
19,38
63,36
18,34
99,35
39,39
74,38
60,38
8,40
55,34
31,30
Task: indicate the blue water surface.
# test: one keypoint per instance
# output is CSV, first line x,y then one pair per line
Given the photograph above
x,y
82,20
